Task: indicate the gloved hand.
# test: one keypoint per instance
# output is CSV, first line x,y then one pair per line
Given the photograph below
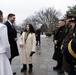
x,y
31,53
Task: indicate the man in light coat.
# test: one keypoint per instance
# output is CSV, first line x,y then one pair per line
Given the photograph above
x,y
5,67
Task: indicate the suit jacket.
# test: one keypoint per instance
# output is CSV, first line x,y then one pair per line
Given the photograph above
x,y
12,34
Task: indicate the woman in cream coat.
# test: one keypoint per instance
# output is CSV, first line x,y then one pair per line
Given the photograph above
x,y
5,67
28,45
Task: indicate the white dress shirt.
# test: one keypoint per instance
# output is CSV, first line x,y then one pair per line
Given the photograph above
x,y
10,22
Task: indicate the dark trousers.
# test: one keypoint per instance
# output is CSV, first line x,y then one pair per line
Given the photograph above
x,y
72,70
38,42
58,56
59,64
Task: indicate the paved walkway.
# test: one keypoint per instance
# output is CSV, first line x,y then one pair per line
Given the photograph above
x,y
42,59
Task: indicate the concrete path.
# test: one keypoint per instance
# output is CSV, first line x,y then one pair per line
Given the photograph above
x,y
42,59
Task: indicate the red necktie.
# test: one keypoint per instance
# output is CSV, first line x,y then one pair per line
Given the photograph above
x,y
12,26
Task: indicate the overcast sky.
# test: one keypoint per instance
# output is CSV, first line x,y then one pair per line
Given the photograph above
x,y
26,8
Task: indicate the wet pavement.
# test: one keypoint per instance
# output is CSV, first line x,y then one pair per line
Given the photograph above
x,y
42,59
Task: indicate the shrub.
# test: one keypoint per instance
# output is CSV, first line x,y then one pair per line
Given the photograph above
x,y
48,34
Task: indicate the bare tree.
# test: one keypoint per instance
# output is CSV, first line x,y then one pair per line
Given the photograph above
x,y
48,17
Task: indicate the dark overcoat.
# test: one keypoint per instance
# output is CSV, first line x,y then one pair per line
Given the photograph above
x,y
12,34
38,32
59,35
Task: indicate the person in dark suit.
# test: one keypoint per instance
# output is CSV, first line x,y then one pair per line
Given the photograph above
x,y
12,36
58,38
70,50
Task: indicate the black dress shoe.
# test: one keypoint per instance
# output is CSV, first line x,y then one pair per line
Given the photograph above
x,y
14,73
56,68
30,70
61,71
23,69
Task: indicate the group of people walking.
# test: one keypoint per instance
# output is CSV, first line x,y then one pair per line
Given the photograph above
x,y
64,48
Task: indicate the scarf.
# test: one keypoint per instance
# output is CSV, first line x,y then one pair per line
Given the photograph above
x,y
26,36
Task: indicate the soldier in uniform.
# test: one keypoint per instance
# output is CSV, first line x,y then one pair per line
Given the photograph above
x,y
67,38
70,50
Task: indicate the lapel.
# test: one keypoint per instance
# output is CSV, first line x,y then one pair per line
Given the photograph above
x,y
8,24
11,26
10,29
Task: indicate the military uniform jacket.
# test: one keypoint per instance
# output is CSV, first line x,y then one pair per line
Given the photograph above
x,y
68,36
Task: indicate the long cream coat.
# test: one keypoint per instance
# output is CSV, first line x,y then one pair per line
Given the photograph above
x,y
29,46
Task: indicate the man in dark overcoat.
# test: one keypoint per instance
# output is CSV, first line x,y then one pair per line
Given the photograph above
x,y
12,36
58,38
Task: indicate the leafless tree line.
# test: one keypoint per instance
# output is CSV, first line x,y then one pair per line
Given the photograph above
x,y
48,17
